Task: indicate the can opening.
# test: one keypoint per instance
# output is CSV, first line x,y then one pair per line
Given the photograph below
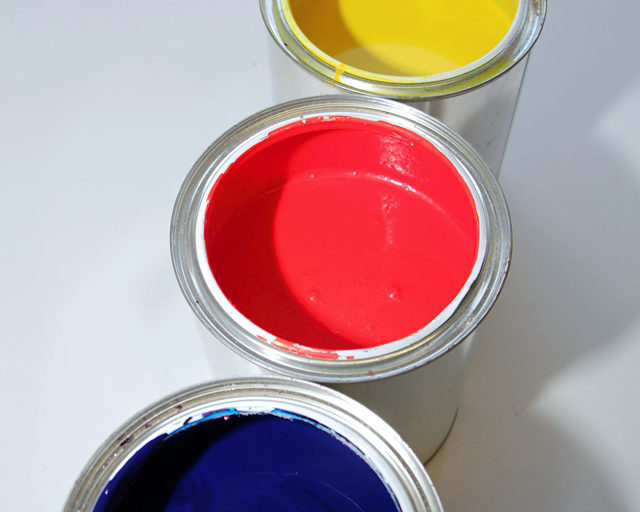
x,y
228,460
405,38
334,235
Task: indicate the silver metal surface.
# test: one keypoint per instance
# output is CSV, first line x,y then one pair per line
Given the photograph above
x,y
379,445
416,387
478,103
420,404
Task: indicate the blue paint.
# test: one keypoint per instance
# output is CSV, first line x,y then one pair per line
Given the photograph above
x,y
230,462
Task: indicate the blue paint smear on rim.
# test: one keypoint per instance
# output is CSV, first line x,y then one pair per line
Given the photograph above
x,y
231,461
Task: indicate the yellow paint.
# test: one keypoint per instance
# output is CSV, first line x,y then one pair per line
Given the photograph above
x,y
339,70
407,38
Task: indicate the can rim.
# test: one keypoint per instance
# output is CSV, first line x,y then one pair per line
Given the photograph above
x,y
516,44
471,310
380,446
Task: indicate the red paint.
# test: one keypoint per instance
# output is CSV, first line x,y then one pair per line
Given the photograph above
x,y
304,351
341,234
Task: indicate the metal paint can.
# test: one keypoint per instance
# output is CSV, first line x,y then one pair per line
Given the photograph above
x,y
415,384
477,100
349,422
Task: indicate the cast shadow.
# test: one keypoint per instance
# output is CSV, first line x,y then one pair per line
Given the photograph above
x,y
572,294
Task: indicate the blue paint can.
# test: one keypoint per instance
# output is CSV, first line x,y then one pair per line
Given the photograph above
x,y
268,444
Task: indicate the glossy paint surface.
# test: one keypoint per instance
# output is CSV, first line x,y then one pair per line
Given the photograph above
x,y
238,463
404,37
341,233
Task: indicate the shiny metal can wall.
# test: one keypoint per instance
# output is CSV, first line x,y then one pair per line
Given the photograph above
x,y
338,420
477,100
415,382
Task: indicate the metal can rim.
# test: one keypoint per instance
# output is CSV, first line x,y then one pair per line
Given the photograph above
x,y
519,41
473,308
380,445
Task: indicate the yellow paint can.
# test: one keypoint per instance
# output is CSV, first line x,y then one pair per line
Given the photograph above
x,y
461,61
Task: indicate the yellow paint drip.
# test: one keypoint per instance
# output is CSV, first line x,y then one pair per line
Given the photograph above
x,y
407,38
339,71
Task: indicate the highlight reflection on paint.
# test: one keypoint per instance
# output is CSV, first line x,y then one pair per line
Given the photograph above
x,y
404,37
238,462
340,233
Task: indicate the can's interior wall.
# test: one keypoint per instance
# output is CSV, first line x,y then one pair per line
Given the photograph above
x,y
105,107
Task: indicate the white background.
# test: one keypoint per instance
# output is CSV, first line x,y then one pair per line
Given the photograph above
x,y
104,107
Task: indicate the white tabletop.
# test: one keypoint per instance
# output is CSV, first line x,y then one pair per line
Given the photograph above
x,y
104,107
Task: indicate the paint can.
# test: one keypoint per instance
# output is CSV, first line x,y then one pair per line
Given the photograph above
x,y
313,43
204,449
414,378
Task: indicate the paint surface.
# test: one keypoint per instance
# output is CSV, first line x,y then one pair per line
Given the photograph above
x,y
404,37
341,233
244,463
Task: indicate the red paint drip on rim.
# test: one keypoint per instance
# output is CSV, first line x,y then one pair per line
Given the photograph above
x,y
304,351
338,233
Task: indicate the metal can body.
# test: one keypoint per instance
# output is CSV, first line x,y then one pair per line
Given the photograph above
x,y
421,404
478,101
414,384
370,437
